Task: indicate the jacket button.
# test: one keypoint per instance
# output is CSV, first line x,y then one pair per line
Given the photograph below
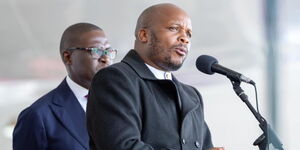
x,y
197,144
183,141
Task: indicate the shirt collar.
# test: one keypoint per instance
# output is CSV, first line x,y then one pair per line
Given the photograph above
x,y
159,74
78,90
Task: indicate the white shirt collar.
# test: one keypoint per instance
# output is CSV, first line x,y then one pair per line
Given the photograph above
x,y
79,92
162,75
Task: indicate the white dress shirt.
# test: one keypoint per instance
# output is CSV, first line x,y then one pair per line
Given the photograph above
x,y
79,92
162,75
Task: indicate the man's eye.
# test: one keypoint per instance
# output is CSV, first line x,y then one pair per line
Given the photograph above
x,y
189,34
173,28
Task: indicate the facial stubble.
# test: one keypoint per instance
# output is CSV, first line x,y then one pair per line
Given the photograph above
x,y
158,51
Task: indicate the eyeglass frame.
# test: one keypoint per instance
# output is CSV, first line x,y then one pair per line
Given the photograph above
x,y
95,49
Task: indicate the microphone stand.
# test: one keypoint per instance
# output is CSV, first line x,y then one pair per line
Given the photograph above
x,y
268,136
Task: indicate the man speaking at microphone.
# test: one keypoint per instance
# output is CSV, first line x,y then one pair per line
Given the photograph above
x,y
138,104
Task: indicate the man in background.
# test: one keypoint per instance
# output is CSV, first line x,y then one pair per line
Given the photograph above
x,y
57,120
138,104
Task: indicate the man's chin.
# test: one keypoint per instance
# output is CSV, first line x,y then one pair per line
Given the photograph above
x,y
173,66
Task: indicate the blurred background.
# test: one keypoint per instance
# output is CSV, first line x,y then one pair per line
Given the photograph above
x,y
259,38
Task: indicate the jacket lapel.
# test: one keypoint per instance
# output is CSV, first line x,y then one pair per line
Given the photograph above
x,y
137,64
188,103
184,99
69,112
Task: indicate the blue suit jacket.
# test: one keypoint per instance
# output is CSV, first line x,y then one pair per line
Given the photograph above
x,y
54,122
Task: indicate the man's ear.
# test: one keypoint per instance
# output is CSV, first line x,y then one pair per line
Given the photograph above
x,y
66,56
143,35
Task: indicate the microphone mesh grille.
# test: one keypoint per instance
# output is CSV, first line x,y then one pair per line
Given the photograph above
x,y
205,62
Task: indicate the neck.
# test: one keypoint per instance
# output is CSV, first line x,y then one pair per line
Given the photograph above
x,y
84,83
141,52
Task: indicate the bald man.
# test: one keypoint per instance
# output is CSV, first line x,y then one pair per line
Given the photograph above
x,y
138,104
57,120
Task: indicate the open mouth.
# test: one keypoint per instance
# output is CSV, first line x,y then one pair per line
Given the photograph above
x,y
181,51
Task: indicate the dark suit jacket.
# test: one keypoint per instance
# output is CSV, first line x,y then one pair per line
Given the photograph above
x,y
54,122
129,109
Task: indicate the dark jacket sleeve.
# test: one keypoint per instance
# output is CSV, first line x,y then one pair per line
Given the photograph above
x,y
113,112
29,132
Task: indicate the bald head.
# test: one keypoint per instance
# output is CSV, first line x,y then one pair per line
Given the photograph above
x,y
72,34
163,34
153,14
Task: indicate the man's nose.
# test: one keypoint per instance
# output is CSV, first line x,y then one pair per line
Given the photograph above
x,y
183,38
105,59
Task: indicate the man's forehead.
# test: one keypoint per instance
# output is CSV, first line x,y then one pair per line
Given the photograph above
x,y
181,20
99,39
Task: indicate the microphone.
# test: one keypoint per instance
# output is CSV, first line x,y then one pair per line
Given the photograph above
x,y
209,65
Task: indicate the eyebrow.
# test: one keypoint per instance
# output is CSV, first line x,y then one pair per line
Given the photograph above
x,y
178,24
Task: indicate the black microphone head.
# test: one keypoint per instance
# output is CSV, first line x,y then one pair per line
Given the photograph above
x,y
205,62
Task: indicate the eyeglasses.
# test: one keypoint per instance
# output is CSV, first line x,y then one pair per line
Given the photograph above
x,y
98,52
